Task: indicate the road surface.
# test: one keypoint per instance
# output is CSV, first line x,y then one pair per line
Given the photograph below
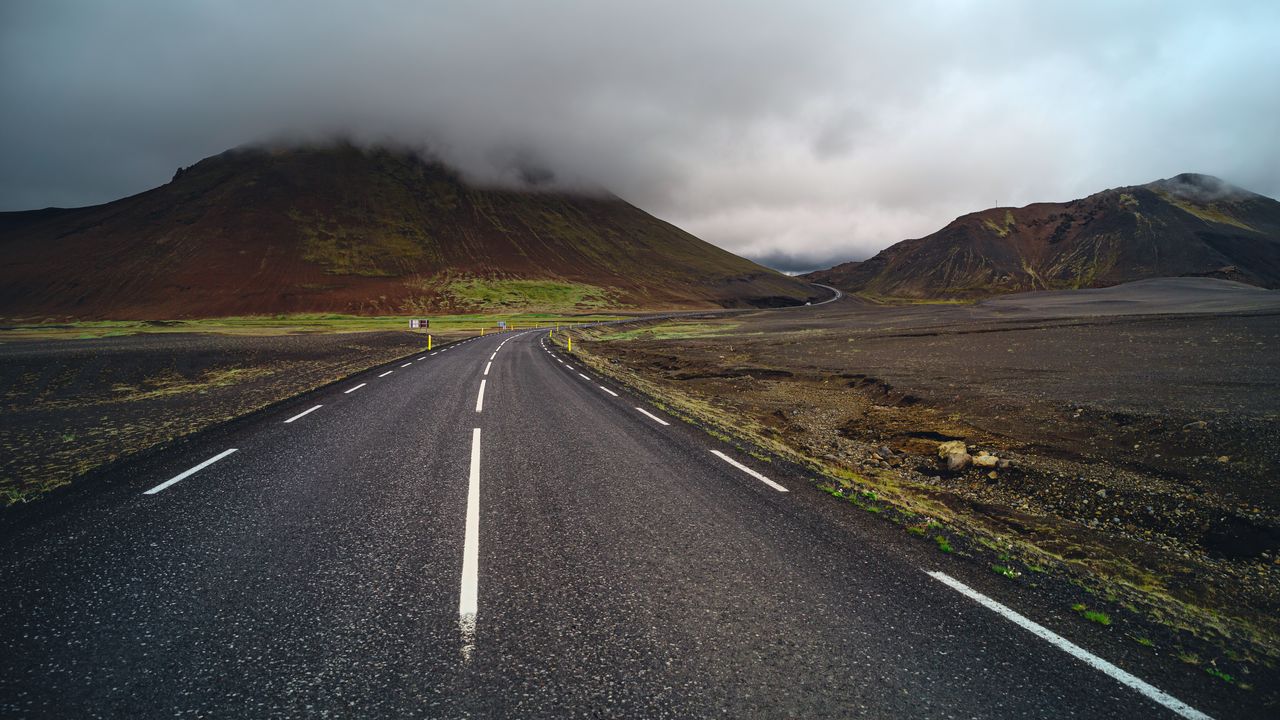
x,y
490,530
836,294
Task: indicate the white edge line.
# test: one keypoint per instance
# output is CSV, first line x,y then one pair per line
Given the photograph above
x,y
1149,691
480,396
386,373
584,377
749,471
347,392
189,473
304,412
653,417
487,366
607,390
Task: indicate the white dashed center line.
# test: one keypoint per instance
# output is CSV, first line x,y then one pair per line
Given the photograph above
x,y
386,373
304,412
652,417
480,397
189,473
406,365
469,597
584,377
607,390
748,471
487,366
347,392
1152,693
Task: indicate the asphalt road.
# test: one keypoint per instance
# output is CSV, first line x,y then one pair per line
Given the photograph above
x,y
554,548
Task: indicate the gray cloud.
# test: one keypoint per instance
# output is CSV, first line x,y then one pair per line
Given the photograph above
x,y
795,133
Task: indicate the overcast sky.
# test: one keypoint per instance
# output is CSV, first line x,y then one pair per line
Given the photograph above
x,y
796,133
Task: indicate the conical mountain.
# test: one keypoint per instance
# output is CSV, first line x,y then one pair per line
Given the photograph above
x,y
345,229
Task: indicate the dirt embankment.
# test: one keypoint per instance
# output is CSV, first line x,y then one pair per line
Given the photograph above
x,y
70,406
1143,444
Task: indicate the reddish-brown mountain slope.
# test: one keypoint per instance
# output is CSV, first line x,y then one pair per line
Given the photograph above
x,y
369,231
1189,225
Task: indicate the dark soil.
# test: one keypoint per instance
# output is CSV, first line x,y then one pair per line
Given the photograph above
x,y
73,405
1141,422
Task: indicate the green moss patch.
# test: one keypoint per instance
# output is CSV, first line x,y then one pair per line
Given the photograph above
x,y
534,294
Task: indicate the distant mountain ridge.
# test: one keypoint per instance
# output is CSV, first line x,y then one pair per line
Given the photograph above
x,y
345,229
1188,225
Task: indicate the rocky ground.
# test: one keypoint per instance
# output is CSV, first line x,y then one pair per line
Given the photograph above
x,y
70,406
1126,436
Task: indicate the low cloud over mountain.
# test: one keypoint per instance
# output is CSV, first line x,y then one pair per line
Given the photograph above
x,y
794,133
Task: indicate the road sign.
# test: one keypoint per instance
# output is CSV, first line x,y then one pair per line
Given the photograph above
x,y
419,324
502,324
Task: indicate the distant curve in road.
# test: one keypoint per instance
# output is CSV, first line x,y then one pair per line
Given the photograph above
x,y
836,293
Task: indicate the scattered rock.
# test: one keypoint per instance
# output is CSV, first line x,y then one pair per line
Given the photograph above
x,y
1197,425
957,461
1224,458
1004,463
884,452
993,475
986,461
952,446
